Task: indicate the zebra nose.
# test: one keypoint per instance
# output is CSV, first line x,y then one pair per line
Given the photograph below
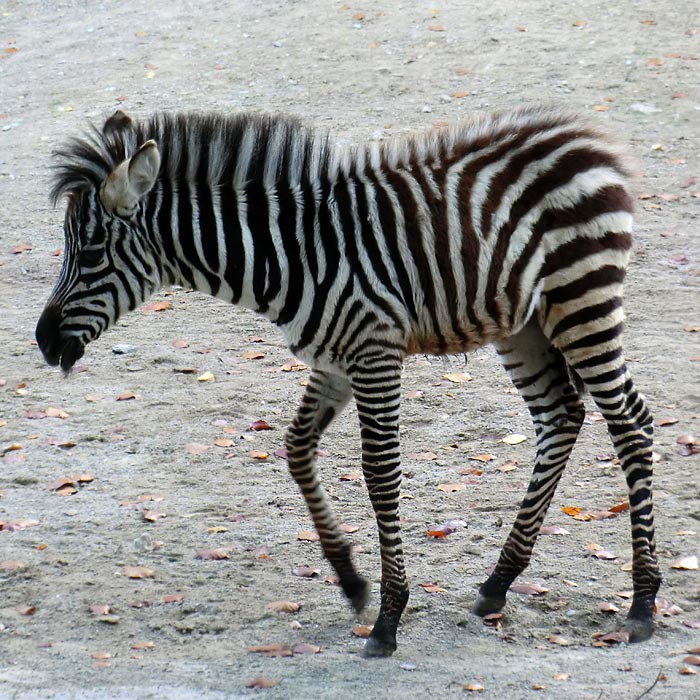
x,y
48,335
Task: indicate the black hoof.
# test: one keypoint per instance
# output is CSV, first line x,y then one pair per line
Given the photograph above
x,y
486,606
639,630
357,591
376,648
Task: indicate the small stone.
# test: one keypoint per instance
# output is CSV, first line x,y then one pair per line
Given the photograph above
x,y
427,109
124,349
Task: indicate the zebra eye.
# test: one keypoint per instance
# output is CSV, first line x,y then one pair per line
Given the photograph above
x,y
91,255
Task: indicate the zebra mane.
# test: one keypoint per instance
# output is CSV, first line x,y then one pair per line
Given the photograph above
x,y
193,146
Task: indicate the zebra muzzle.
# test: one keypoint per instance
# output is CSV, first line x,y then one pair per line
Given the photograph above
x,y
57,348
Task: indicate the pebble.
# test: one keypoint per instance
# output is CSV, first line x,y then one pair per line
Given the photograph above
x,y
124,349
427,109
644,108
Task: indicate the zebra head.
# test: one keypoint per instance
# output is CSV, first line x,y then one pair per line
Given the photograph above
x,y
110,265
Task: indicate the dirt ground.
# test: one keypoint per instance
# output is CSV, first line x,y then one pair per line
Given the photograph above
x,y
363,70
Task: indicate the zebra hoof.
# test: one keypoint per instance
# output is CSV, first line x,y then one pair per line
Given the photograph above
x,y
357,592
639,630
486,606
376,648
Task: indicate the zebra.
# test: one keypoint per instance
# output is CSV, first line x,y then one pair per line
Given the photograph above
x,y
511,229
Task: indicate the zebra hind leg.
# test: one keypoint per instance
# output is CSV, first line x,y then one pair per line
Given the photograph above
x,y
325,397
540,374
630,427
376,382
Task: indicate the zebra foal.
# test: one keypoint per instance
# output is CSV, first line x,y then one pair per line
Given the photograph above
x,y
513,229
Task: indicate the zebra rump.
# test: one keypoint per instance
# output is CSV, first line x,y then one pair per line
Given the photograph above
x,y
513,229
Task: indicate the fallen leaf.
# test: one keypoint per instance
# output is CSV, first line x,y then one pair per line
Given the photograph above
x,y
608,638
293,366
437,28
101,655
284,606
306,571
446,528
362,631
258,454
348,529
196,448
22,247
27,610
216,529
473,687
153,517
127,396
17,525
483,458
510,466
514,439
451,488
422,456
12,565
305,648
561,676
139,646
224,442
252,355
458,377
157,306
686,563
355,475
180,344
692,660
687,671
172,598
529,589
211,554
553,530
666,421
206,377
102,609
664,607
432,588
261,682
136,572
271,650
53,412
260,425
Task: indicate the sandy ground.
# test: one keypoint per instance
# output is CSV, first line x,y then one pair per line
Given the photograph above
x,y
363,71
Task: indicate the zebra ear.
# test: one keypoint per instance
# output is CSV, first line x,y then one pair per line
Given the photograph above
x,y
119,121
131,180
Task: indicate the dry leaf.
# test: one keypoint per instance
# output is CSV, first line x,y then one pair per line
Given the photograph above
x,y
432,588
451,488
271,650
196,448
136,572
153,517
553,530
446,529
103,609
686,563
157,306
139,646
608,607
206,377
692,660
252,355
224,442
127,396
422,456
348,529
293,366
259,425
308,536
458,377
180,344
510,466
53,412
437,28
604,639
11,565
305,648
261,682
529,589
306,571
284,606
473,687
355,475
514,439
258,454
211,554
483,458
362,631
101,655
172,598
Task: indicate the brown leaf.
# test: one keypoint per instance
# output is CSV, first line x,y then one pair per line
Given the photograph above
x,y
509,466
355,475
451,488
252,355
308,536
514,439
609,638
555,639
258,454
284,606
473,687
22,247
172,598
224,442
140,646
422,456
153,517
305,648
362,631
196,448
608,607
687,671
12,565
261,682
127,396
53,412
136,572
432,588
692,660
17,525
446,528
157,306
206,377
666,421
458,377
259,425
211,554
553,530
180,344
529,589
27,610
621,507
437,28
293,366
271,650
689,563
101,655
306,571
483,458
348,529
663,606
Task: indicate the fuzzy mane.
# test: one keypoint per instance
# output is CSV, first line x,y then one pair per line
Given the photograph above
x,y
192,145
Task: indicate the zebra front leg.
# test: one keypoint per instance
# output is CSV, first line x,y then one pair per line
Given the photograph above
x,y
539,373
325,397
377,389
